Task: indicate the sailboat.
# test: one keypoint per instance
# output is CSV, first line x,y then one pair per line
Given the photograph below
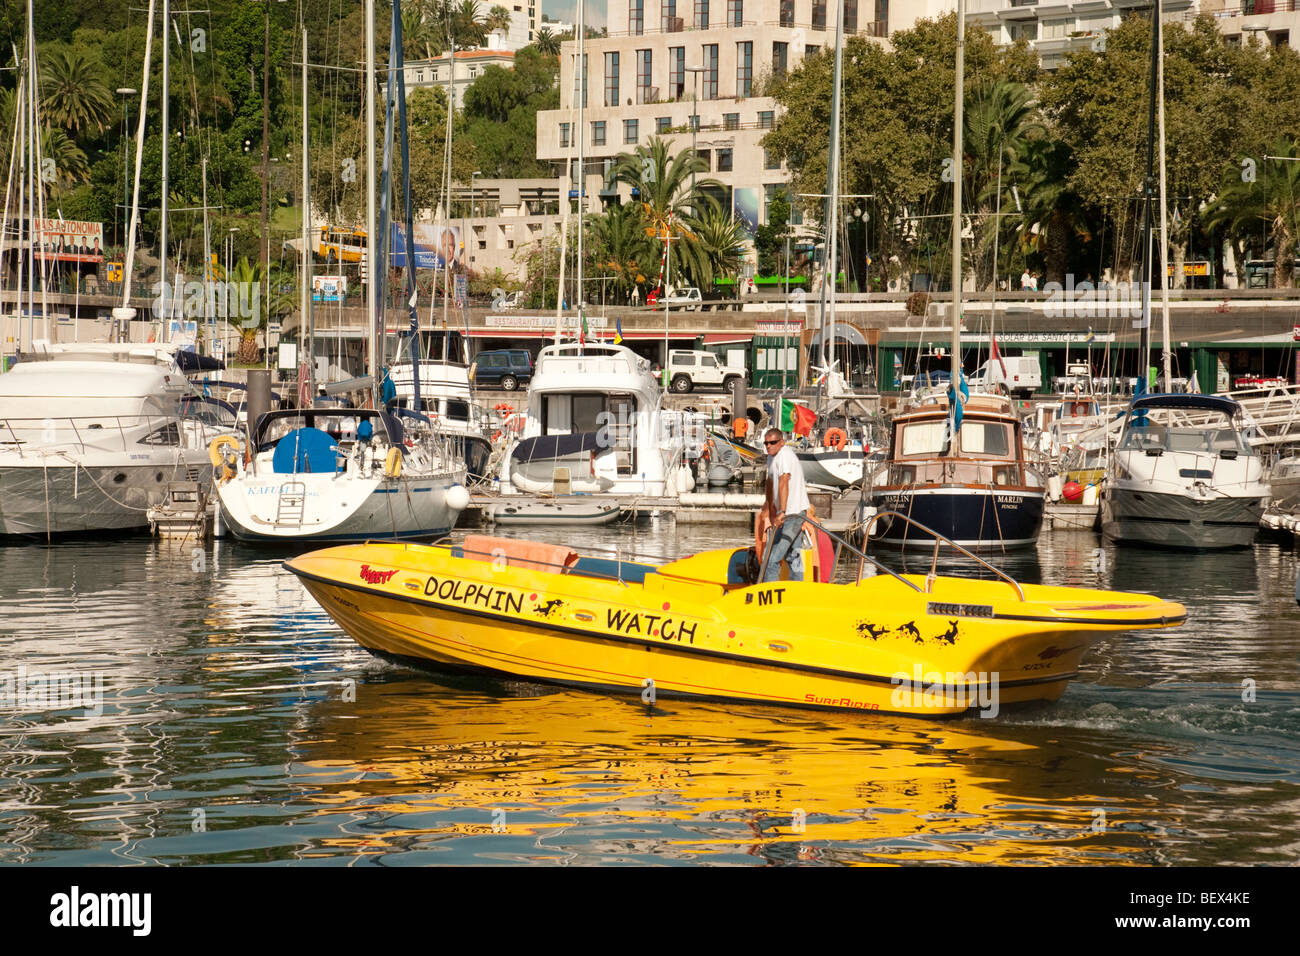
x,y
1183,474
338,474
957,464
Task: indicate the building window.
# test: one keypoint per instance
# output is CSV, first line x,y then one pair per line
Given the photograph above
x,y
770,161
780,58
705,155
711,71
630,131
819,14
676,71
564,136
766,118
744,68
611,79
810,50
644,63
850,16
787,13
695,122
724,160
636,16
701,14
1057,29
735,13
598,133
663,124
731,121
668,22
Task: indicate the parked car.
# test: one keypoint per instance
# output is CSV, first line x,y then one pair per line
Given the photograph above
x,y
688,369
1022,378
506,368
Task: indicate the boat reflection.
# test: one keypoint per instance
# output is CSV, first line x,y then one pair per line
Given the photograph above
x,y
542,775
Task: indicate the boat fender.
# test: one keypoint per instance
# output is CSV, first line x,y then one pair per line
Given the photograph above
x,y
215,453
835,438
393,463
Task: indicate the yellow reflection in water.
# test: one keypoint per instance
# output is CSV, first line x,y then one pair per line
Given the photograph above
x,y
587,778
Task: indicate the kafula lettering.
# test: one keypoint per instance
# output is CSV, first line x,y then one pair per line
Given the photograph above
x,y
76,909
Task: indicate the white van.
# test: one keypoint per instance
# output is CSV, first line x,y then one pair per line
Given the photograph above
x,y
1023,377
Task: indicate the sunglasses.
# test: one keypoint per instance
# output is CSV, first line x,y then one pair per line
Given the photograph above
x,y
774,442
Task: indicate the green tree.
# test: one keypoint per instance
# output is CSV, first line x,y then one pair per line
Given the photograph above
x,y
73,93
547,42
620,250
715,248
1268,206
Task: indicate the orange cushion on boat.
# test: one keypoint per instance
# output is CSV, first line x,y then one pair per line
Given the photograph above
x,y
520,554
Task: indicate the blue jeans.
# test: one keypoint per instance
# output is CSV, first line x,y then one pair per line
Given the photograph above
x,y
787,544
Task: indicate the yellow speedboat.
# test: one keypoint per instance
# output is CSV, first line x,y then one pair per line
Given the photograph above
x,y
912,644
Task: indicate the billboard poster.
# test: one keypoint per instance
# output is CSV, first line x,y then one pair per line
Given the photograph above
x,y
745,200
434,246
67,240
329,288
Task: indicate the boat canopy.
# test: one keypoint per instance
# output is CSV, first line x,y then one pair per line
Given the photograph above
x,y
273,426
556,446
1215,403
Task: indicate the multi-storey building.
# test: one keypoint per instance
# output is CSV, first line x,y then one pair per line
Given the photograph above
x,y
691,71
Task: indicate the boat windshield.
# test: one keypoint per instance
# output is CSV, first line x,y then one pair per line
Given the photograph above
x,y
1213,438
922,438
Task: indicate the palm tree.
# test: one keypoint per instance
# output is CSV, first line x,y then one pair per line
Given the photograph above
x,y
999,120
70,165
72,94
1273,199
665,185
620,248
715,249
547,43
1054,215
498,19
469,26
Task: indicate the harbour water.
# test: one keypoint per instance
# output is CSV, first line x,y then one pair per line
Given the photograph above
x,y
238,724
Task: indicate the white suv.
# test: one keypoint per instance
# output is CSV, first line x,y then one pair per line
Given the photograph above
x,y
688,369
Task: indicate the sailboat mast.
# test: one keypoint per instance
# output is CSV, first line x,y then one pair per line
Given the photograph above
x,y
582,163
306,308
372,264
1148,187
1164,208
166,119
127,312
833,204
957,121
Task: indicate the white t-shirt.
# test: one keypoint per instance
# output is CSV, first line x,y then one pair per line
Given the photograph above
x,y
785,462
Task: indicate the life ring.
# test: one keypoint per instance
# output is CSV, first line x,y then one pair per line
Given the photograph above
x,y
215,454
835,438
393,463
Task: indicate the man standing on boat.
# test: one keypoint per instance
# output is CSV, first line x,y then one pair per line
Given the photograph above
x,y
786,506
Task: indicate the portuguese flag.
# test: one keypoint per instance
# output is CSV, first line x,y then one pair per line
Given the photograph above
x,y
796,418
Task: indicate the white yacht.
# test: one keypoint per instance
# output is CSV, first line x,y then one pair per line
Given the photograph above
x,y
338,474
92,434
596,424
1184,476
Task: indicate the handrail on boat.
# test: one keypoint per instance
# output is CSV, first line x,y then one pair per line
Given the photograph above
x,y
938,539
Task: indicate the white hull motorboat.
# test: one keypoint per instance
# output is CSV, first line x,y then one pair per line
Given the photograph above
x,y
581,511
92,435
1183,476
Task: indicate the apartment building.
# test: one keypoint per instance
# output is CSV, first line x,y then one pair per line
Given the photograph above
x,y
691,70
